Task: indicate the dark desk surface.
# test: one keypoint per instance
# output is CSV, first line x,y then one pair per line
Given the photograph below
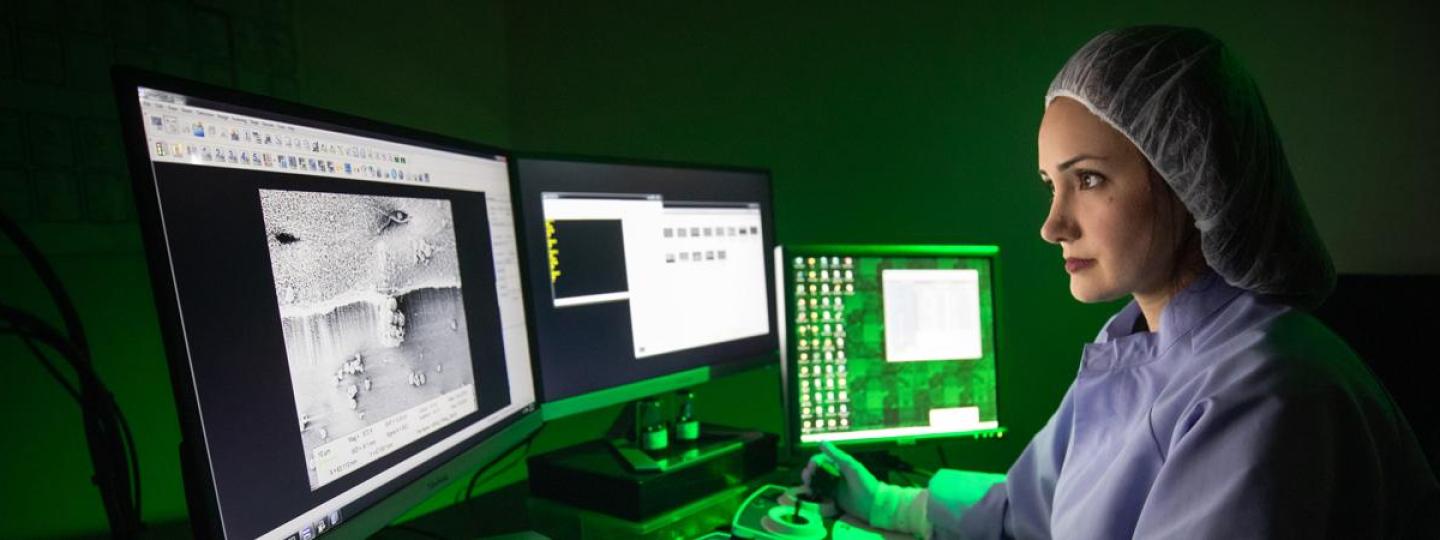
x,y
510,510
510,513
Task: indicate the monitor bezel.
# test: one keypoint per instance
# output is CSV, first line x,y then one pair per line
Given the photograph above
x,y
789,386
687,378
200,493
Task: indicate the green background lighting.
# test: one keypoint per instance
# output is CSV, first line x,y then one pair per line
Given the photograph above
x,y
884,122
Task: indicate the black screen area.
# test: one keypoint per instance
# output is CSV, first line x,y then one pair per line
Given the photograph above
x,y
589,347
217,241
589,264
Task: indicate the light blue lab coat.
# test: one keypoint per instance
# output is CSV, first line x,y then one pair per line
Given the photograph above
x,y
1240,418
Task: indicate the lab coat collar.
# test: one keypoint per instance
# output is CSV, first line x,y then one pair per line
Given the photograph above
x,y
1118,345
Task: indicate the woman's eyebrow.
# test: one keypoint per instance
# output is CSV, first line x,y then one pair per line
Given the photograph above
x,y
1069,162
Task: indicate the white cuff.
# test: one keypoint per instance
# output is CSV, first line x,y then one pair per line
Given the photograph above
x,y
901,509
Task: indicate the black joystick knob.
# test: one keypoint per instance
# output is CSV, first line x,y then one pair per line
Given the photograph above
x,y
824,481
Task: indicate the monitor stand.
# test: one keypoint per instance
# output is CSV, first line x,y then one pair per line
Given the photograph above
x,y
614,476
677,454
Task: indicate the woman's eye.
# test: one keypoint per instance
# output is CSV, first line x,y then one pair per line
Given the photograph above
x,y
1090,180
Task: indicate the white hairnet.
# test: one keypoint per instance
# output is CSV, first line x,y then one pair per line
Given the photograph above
x,y
1196,114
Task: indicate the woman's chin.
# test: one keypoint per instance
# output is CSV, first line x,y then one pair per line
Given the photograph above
x,y
1087,292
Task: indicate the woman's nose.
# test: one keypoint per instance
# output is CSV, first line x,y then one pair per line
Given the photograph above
x,y
1058,227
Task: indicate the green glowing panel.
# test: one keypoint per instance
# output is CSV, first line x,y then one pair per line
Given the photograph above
x,y
890,342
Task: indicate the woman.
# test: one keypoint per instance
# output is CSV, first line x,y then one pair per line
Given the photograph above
x,y
1212,405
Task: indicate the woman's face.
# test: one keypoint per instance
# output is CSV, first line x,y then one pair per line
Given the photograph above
x,y
1102,213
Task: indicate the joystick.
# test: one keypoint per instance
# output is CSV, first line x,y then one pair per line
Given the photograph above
x,y
825,506
821,493
825,480
771,513
763,516
775,512
798,522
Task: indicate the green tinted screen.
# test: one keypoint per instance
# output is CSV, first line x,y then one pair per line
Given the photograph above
x,y
890,342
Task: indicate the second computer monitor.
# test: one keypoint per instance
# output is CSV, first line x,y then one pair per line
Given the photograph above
x,y
889,343
643,277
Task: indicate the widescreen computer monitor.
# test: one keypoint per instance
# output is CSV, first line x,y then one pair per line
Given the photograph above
x,y
643,277
888,343
341,305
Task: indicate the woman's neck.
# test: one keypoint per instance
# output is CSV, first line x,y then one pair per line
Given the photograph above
x,y
1151,307
1152,304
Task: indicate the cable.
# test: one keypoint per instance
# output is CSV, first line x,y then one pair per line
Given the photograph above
x,y
29,325
113,466
52,284
107,434
944,461
115,462
495,466
50,367
493,469
523,449
133,457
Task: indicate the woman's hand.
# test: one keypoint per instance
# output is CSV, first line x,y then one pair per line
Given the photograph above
x,y
855,489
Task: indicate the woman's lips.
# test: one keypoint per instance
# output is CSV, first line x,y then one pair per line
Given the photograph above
x,y
1076,265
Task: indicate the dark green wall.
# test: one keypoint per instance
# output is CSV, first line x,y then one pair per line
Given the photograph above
x,y
902,122
63,175
879,104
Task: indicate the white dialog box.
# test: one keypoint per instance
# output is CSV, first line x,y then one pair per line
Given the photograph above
x,y
931,315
